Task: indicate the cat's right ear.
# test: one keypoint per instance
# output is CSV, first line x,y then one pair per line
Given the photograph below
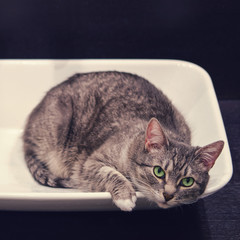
x,y
155,137
209,154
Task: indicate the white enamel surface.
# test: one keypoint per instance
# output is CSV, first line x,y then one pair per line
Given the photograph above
x,y
24,82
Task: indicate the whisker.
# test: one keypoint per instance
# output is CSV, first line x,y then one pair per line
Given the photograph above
x,y
147,186
142,182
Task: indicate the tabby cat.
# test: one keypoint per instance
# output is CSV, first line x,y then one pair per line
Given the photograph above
x,y
116,132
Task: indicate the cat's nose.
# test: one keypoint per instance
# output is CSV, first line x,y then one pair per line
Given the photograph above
x,y
167,196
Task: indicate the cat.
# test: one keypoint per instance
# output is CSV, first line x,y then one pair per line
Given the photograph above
x,y
116,132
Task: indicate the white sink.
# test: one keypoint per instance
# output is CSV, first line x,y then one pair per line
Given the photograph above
x,y
24,82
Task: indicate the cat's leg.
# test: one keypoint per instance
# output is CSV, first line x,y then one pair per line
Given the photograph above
x,y
97,177
121,189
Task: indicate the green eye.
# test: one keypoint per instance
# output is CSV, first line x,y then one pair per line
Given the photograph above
x,y
158,172
187,182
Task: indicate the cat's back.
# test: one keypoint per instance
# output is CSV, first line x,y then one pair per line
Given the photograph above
x,y
109,83
122,97
125,89
101,101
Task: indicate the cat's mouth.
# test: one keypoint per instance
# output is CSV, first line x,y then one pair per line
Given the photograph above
x,y
166,205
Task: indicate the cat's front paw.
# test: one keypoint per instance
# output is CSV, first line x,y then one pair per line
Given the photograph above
x,y
124,197
126,204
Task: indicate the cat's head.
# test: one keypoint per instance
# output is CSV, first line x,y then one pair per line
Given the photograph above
x,y
172,173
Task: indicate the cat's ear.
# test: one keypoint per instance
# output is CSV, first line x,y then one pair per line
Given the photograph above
x,y
155,137
208,155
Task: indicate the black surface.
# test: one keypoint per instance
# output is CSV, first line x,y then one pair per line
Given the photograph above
x,y
203,32
216,217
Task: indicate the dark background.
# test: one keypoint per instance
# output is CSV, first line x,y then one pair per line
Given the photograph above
x,y
203,32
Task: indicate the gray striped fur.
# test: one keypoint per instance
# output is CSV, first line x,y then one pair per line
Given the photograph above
x,y
89,133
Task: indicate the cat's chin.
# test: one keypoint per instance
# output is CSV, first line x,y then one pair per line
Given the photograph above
x,y
164,205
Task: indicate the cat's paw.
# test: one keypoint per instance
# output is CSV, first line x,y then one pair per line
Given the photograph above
x,y
126,204
124,196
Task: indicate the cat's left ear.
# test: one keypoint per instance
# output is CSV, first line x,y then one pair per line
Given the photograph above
x,y
155,137
208,155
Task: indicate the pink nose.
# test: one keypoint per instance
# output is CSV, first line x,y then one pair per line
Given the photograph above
x,y
167,196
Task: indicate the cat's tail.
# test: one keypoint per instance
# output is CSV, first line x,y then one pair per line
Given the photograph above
x,y
41,173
